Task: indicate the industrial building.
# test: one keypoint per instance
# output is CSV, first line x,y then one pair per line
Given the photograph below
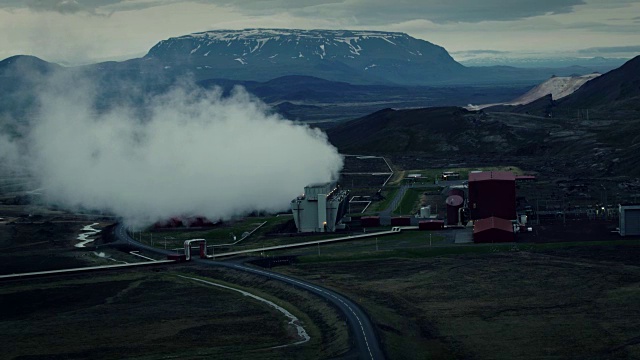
x,y
492,193
629,220
320,208
493,230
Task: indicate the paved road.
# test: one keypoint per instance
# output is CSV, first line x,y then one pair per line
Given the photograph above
x,y
360,326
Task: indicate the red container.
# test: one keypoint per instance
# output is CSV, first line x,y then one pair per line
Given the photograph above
x,y
431,225
177,257
400,221
370,221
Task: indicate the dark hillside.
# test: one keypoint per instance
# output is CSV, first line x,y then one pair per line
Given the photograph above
x,y
435,130
615,88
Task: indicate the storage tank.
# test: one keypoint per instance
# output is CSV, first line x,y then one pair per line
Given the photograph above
x,y
454,203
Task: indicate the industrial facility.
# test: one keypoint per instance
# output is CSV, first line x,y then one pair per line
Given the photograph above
x,y
321,208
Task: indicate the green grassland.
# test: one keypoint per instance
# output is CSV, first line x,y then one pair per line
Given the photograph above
x,y
152,315
429,175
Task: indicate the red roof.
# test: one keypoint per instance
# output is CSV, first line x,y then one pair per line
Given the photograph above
x,y
492,223
492,175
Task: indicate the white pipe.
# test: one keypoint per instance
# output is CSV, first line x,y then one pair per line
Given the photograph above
x,y
187,247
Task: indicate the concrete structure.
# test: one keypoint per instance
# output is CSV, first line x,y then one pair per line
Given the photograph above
x,y
320,208
493,230
629,220
492,193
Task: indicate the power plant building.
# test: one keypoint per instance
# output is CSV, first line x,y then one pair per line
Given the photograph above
x,y
492,193
320,208
629,220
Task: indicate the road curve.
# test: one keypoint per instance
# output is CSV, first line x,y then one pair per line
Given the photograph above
x,y
360,326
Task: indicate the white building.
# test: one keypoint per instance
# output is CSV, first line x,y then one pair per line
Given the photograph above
x,y
320,208
629,220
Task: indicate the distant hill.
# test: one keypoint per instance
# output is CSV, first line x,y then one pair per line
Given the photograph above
x,y
19,77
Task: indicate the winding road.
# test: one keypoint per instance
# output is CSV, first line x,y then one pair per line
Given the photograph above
x,y
360,326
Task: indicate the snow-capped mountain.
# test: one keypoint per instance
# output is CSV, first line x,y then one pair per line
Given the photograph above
x,y
263,54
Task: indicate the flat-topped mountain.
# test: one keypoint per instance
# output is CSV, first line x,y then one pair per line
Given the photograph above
x,y
352,56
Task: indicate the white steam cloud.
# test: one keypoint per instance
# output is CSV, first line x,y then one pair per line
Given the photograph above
x,y
195,153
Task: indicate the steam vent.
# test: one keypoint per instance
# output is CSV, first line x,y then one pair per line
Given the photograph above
x,y
320,208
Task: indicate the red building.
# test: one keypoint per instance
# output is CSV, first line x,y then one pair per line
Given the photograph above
x,y
400,221
492,193
493,230
431,225
370,221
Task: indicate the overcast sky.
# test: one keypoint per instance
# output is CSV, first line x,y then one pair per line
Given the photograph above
x,y
80,31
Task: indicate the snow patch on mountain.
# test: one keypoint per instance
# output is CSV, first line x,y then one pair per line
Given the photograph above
x,y
557,86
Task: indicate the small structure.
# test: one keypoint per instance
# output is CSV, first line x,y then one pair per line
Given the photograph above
x,y
629,220
492,193
320,208
450,175
493,230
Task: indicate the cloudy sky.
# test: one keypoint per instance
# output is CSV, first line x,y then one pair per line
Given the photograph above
x,y
81,31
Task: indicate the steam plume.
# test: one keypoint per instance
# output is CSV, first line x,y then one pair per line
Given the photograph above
x,y
191,153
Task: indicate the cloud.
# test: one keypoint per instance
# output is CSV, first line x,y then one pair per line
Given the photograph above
x,y
380,12
90,7
611,50
480,52
371,12
191,153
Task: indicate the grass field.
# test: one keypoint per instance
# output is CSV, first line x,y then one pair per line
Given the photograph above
x,y
429,175
152,315
547,301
